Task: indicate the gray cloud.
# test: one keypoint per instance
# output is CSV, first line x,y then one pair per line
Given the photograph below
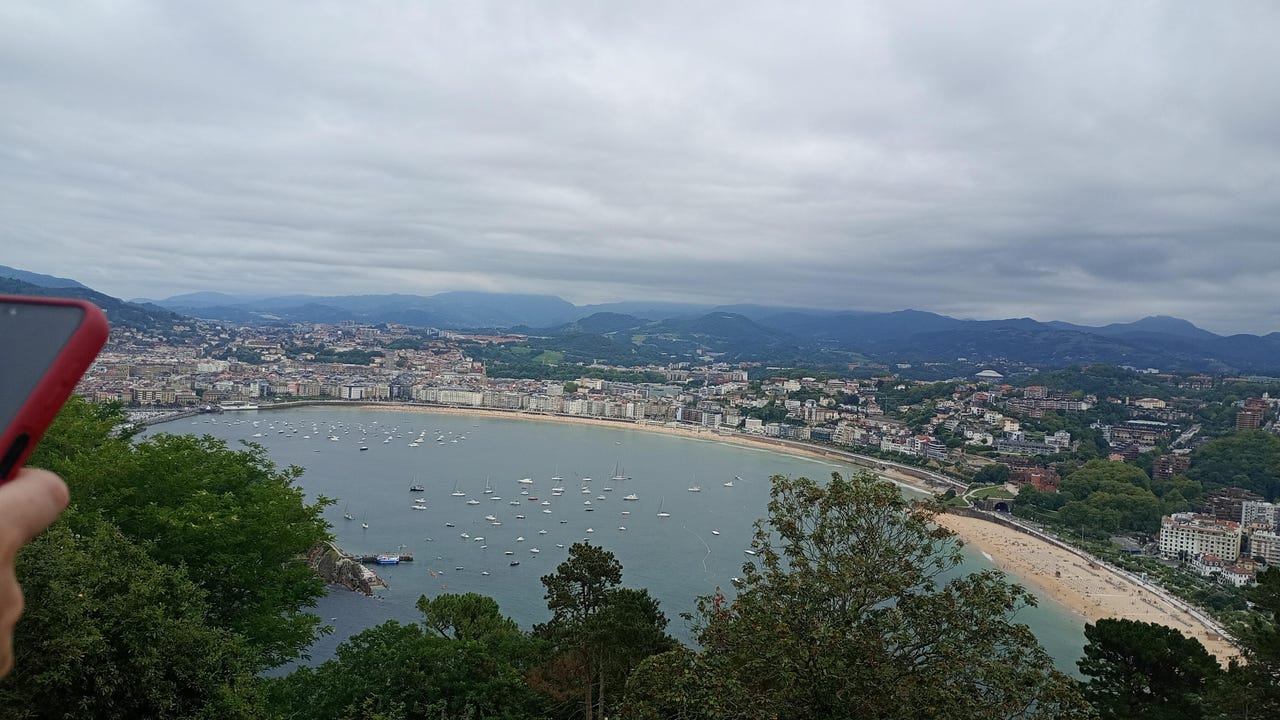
x,y
1091,162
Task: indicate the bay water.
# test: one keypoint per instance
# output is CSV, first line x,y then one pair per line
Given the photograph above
x,y
549,484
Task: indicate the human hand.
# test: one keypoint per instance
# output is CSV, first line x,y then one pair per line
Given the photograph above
x,y
28,504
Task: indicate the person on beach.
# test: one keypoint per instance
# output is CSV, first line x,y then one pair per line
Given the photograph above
x,y
28,504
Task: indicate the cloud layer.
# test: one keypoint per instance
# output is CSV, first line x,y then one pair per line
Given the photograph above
x,y
1084,161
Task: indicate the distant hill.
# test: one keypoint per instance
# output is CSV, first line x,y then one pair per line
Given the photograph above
x,y
38,279
122,315
665,330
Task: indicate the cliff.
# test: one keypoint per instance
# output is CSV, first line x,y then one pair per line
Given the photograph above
x,y
337,568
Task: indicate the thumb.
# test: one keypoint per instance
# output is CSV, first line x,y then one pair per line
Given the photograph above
x,y
28,504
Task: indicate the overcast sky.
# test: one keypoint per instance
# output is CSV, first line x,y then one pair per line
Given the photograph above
x,y
1091,162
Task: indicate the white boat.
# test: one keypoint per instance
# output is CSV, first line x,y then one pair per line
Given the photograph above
x,y
525,481
473,501
547,511
535,551
599,497
560,545
514,502
632,496
626,512
586,502
520,539
542,532
618,475
418,507
621,527
464,536
478,539
729,484
456,492
590,530
749,552
662,513
695,488
546,503
509,552
346,513
715,532
420,500
519,517
490,518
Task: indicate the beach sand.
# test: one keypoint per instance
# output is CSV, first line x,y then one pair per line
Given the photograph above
x,y
1051,572
1092,593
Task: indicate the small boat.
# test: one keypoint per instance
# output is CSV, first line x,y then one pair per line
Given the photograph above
x,y
519,517
513,563
546,503
560,545
464,536
448,524
485,572
418,506
590,530
695,488
535,551
589,509
525,481
387,559
729,484
509,552
364,521
661,512
346,514
520,539
490,518
749,552
626,512
632,496
599,497
478,539
715,532
420,500
473,501
514,502
547,511
532,499
417,487
622,527
542,532
586,502
363,448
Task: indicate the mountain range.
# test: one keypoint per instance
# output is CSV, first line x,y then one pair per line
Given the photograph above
x,y
799,336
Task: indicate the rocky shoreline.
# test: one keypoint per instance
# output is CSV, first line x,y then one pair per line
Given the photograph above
x,y
336,567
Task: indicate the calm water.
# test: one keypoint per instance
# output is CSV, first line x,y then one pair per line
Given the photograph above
x,y
676,557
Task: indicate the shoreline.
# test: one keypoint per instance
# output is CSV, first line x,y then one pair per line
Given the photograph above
x,y
1088,591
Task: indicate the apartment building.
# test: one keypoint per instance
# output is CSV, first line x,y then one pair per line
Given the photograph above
x,y
1186,536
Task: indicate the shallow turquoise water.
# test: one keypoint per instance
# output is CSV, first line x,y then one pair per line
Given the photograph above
x,y
677,557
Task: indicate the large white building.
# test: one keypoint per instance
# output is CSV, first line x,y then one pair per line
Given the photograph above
x,y
1186,536
1266,545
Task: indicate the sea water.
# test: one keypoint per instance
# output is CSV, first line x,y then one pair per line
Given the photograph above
x,y
695,546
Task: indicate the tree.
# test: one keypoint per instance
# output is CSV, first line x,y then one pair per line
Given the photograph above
x,y
1144,670
1256,684
847,608
598,631
993,474
238,526
407,672
108,632
1249,459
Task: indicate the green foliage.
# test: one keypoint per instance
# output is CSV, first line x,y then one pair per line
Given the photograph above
x,y
404,671
847,612
237,525
405,343
1257,682
772,412
1144,670
993,474
1249,459
570,388
598,631
109,632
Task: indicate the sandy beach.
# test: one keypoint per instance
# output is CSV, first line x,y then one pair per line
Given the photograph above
x,y
1051,572
1092,593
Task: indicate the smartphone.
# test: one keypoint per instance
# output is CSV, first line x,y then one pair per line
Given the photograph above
x,y
46,345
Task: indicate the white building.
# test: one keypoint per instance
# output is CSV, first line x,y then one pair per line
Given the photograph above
x,y
1186,536
1263,512
1266,545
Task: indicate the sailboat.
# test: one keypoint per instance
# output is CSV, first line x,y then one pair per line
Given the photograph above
x,y
456,492
618,474
416,486
364,520
661,512
346,513
488,490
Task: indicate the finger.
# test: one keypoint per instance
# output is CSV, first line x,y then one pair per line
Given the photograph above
x,y
28,503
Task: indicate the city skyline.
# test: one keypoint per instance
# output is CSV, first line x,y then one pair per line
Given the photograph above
x,y
1088,163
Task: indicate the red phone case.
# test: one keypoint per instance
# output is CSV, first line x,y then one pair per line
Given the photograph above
x,y
44,402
